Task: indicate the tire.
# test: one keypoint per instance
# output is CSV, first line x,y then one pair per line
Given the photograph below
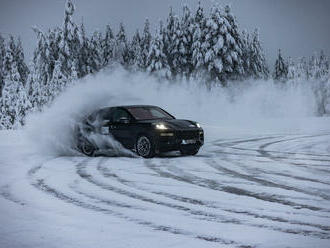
x,y
145,146
87,148
189,151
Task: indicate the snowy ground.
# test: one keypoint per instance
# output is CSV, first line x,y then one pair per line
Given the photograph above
x,y
248,187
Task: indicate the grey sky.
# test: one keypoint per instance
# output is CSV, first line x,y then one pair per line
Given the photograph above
x,y
298,27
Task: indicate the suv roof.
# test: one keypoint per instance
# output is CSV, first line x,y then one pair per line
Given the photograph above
x,y
122,106
137,106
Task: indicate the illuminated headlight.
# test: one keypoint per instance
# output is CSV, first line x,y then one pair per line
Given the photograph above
x,y
160,126
198,125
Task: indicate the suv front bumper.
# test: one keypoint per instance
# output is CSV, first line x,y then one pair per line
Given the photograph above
x,y
175,140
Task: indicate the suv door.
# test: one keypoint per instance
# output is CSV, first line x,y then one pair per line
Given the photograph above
x,y
121,131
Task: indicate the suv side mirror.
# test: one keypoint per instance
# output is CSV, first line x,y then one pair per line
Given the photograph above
x,y
124,120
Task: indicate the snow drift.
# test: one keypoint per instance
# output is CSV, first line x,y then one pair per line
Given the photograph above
x,y
245,103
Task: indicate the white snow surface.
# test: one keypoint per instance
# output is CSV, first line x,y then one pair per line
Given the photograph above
x,y
262,179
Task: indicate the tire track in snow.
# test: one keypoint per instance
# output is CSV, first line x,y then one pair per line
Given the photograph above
x,y
264,171
205,216
268,154
214,218
261,150
139,197
262,154
214,185
262,182
80,197
6,194
41,185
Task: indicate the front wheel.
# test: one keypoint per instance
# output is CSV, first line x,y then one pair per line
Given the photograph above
x,y
145,147
189,152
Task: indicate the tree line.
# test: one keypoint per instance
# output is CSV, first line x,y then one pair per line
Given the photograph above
x,y
314,70
208,47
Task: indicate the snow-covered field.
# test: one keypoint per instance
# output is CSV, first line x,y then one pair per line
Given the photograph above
x,y
246,188
262,179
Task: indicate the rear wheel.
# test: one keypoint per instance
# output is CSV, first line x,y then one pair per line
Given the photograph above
x,y
145,147
87,148
189,151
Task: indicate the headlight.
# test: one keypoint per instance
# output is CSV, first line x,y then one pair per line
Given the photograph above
x,y
160,126
198,125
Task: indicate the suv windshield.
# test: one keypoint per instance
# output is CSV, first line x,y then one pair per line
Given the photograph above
x,y
148,113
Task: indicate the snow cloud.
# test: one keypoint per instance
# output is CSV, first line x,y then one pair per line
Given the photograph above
x,y
51,131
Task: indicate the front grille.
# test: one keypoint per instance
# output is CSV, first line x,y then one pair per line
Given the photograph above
x,y
188,134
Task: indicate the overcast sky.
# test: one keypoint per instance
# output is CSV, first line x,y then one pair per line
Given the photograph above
x,y
298,27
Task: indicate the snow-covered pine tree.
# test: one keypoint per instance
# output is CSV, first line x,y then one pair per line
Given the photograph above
x,y
281,68
257,62
323,66
232,49
318,66
199,19
14,101
135,56
17,53
75,53
70,45
108,45
187,33
177,49
23,69
318,71
246,53
170,47
214,43
57,50
157,58
39,79
322,92
84,65
67,42
197,43
35,89
198,36
145,46
301,69
65,61
58,81
96,52
291,70
2,56
312,67
121,49
53,39
68,26
74,72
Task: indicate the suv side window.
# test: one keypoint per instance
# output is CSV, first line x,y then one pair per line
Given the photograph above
x,y
99,117
119,113
107,113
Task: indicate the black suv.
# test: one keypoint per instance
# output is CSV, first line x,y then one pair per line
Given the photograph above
x,y
147,130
